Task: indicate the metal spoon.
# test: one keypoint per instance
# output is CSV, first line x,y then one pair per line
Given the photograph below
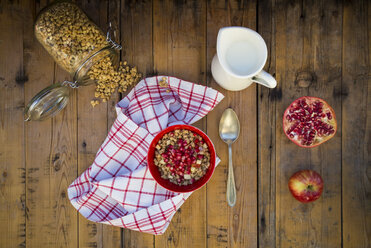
x,y
229,129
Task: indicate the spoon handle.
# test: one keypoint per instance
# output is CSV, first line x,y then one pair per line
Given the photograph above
x,y
231,187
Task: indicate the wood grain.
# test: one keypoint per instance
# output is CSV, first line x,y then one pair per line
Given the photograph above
x,y
179,49
136,35
267,132
237,226
12,149
38,141
355,96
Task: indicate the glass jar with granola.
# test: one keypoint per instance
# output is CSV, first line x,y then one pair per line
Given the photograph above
x,y
81,48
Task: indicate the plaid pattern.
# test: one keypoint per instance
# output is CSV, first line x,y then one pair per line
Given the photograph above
x,y
118,189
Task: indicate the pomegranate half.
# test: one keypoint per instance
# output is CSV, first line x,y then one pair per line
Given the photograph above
x,y
309,121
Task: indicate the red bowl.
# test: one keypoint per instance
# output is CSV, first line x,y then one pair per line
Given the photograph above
x,y
166,183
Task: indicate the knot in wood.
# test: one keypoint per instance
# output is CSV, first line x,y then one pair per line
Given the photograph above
x,y
304,79
57,166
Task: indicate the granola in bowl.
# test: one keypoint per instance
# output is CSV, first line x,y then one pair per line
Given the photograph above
x,y
182,156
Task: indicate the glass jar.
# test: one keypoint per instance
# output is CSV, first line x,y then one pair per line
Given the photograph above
x,y
76,44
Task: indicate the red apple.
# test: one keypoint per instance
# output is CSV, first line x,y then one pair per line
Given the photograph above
x,y
306,185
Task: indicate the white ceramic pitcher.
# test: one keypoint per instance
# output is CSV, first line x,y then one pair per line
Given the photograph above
x,y
240,56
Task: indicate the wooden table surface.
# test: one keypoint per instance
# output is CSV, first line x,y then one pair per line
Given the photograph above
x,y
324,44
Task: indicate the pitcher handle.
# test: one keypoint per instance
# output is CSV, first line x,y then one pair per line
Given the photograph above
x,y
266,79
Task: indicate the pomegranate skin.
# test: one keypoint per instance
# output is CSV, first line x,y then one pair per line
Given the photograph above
x,y
306,185
328,122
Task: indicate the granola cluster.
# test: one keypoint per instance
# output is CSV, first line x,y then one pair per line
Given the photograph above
x,y
108,79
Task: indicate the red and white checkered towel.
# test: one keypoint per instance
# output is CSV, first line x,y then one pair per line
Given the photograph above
x,y
118,189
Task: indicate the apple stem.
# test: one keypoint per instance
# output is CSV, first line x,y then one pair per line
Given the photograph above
x,y
310,187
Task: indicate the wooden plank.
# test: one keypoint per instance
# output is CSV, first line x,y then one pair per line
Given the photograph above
x,y
38,141
237,226
321,46
136,35
289,53
12,152
179,40
356,97
50,153
112,236
267,132
50,157
308,42
92,130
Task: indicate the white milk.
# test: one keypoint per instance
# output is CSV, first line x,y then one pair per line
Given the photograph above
x,y
242,57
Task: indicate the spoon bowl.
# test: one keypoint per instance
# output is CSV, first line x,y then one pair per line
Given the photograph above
x,y
229,126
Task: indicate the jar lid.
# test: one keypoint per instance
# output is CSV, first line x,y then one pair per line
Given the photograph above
x,y
48,102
